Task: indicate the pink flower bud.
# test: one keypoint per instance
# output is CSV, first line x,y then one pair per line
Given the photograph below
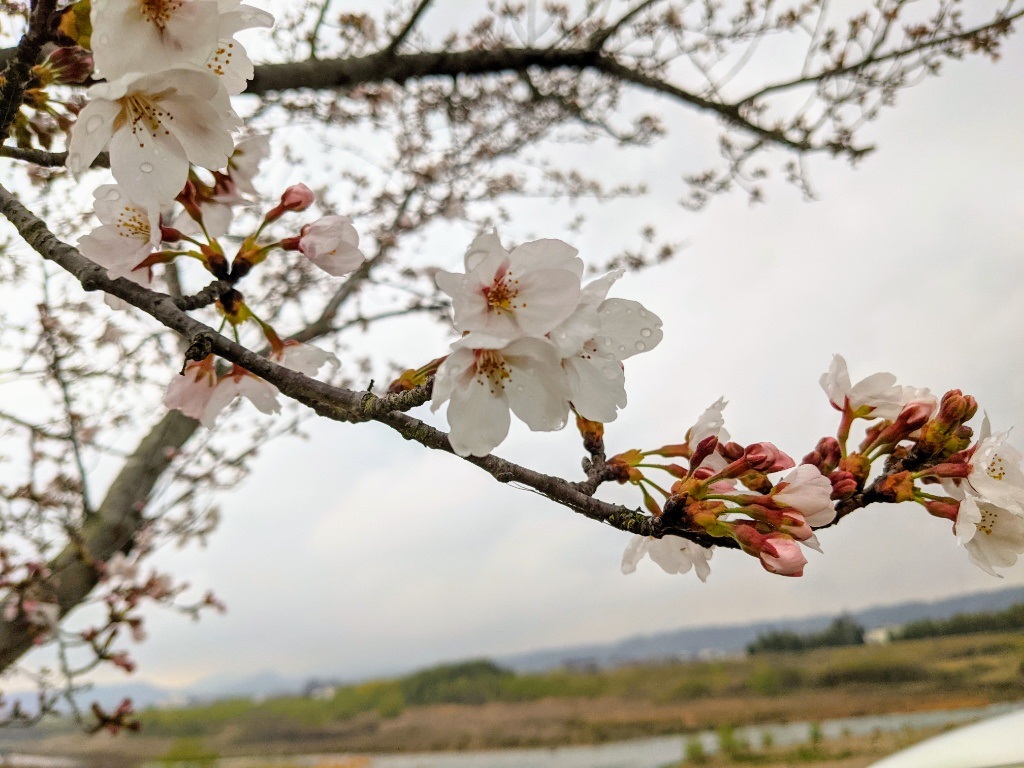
x,y
731,451
844,484
947,509
781,554
297,198
704,449
766,458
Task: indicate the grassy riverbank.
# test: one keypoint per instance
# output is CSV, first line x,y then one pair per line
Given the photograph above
x,y
478,706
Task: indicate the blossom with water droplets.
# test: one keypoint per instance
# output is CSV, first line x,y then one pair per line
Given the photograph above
x,y
527,292
155,126
148,36
595,339
484,377
673,554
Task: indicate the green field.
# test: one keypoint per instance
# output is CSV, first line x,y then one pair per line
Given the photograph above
x,y
479,705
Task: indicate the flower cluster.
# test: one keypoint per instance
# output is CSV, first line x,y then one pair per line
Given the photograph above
x,y
925,440
535,340
767,520
916,437
169,70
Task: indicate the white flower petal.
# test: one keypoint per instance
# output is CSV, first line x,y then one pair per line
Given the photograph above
x,y
597,385
479,419
627,328
91,133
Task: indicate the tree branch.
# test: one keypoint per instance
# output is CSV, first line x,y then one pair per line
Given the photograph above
x,y
18,71
410,25
401,68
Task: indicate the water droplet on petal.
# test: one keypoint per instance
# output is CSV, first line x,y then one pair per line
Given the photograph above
x,y
104,39
520,388
622,348
642,312
113,194
146,167
640,346
646,333
93,123
607,342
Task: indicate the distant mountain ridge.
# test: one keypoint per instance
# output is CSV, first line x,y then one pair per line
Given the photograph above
x,y
733,638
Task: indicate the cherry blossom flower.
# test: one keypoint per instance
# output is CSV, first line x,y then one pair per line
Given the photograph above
x,y
191,393
595,373
332,244
485,377
877,396
155,126
240,383
528,292
304,358
229,59
148,36
673,554
993,536
809,492
127,234
996,474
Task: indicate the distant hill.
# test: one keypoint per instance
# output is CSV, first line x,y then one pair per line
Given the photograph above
x,y
733,638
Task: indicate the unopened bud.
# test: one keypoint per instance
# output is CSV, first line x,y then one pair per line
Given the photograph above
x,y
297,197
731,451
765,457
947,509
704,449
915,415
844,485
955,407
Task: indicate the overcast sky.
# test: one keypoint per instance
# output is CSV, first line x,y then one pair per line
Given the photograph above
x,y
355,552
